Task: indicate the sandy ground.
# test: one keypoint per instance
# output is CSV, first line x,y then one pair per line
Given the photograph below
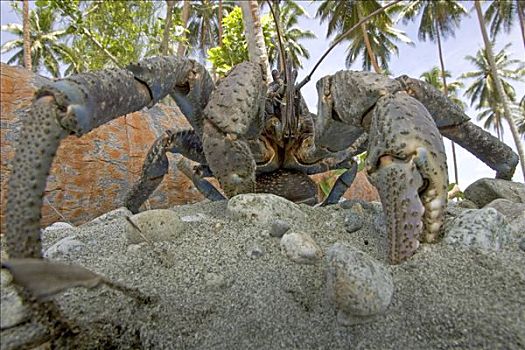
x,y
213,294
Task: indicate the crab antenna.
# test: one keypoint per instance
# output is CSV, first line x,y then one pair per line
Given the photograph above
x,y
278,27
341,37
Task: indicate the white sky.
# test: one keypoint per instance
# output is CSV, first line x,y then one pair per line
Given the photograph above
x,y
411,61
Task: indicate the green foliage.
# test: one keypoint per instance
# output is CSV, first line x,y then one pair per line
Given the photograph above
x,y
234,49
433,77
47,42
342,15
438,17
482,92
109,33
289,14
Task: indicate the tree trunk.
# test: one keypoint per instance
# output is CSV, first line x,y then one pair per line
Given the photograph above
x,y
445,91
181,49
368,46
27,37
499,88
521,16
254,35
170,4
497,127
220,23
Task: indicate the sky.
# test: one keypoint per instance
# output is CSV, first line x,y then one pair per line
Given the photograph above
x,y
411,61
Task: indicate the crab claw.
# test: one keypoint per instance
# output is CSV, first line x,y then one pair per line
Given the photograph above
x,y
407,164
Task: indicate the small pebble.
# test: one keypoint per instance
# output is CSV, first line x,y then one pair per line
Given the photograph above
x,y
301,248
356,284
353,224
279,228
255,251
522,244
358,209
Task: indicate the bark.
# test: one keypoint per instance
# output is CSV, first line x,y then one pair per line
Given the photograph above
x,y
220,23
170,4
368,46
254,35
521,16
499,88
445,91
181,49
27,37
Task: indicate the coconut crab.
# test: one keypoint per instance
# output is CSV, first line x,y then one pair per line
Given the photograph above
x,y
244,135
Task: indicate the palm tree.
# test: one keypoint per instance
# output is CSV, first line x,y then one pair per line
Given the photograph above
x,y
376,37
186,8
254,35
501,14
439,18
204,24
27,38
482,91
164,45
499,86
520,117
46,46
289,14
433,77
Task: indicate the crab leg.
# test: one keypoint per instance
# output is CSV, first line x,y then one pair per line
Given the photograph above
x,y
233,116
454,124
76,105
407,164
343,182
156,165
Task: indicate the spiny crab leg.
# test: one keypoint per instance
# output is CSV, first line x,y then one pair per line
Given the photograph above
x,y
75,105
407,164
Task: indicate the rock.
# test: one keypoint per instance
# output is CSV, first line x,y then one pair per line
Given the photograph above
x,y
484,229
522,244
57,226
65,246
91,174
301,248
361,188
466,204
514,213
359,286
353,223
13,311
279,228
263,209
486,190
154,225
255,251
111,215
193,218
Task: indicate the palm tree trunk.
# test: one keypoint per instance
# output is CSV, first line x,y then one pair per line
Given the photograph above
x,y
368,46
499,87
27,38
521,17
220,23
170,4
497,127
277,10
254,35
181,49
445,91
